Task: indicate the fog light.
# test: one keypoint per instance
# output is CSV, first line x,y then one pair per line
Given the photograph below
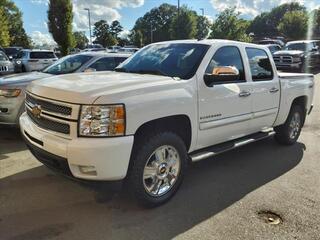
x,y
89,170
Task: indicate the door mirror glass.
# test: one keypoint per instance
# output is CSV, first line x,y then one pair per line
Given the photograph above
x,y
222,74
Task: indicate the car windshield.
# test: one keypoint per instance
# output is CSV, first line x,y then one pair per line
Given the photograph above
x,y
68,64
300,46
11,51
169,59
3,57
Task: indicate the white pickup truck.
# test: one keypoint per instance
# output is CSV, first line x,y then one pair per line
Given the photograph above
x,y
168,105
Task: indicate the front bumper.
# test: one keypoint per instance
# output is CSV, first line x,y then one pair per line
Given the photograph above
x,y
10,109
109,157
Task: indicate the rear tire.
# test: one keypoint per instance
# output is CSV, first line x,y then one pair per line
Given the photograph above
x,y
157,168
289,132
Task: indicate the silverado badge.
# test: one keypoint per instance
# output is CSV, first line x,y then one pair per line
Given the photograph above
x,y
36,111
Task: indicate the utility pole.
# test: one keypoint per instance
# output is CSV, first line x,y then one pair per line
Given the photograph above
x,y
202,10
89,15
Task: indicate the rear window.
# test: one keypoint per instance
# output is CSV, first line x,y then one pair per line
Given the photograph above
x,y
42,55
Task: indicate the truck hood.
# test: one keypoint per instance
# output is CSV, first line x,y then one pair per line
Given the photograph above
x,y
85,88
289,52
22,78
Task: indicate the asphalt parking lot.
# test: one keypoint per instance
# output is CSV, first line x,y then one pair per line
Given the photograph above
x,y
221,198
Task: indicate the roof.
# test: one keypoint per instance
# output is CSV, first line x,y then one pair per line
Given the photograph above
x,y
302,41
104,54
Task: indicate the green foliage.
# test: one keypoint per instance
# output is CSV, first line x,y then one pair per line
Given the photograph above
x,y
266,24
294,25
159,20
103,35
228,25
137,38
60,24
80,39
4,30
115,29
203,27
183,26
18,36
314,17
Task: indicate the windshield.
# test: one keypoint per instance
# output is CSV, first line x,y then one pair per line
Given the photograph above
x,y
171,59
67,64
11,51
3,57
300,46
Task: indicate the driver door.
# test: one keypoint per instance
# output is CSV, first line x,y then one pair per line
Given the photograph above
x,y
225,102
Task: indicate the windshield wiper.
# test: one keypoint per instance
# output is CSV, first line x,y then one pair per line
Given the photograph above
x,y
153,71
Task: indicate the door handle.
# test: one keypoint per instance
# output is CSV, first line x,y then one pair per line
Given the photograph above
x,y
244,94
273,90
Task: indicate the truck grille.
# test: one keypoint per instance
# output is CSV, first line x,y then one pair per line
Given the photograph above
x,y
49,124
49,106
283,59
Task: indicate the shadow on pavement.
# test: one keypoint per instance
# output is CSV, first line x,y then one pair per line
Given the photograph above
x,y
10,141
210,187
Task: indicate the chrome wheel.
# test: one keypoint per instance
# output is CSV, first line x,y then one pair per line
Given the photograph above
x,y
294,126
161,170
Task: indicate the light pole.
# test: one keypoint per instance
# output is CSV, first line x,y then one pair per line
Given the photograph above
x,y
89,15
202,10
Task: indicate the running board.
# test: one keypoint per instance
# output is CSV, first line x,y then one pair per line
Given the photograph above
x,y
223,147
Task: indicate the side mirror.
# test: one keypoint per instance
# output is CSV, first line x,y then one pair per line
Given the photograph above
x,y
223,74
90,70
10,58
314,49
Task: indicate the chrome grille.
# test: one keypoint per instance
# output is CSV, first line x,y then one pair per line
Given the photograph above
x,y
4,68
48,106
283,59
49,124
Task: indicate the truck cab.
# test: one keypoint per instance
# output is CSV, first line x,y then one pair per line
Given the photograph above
x,y
169,104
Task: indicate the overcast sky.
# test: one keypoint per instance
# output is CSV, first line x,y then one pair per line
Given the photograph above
x,y
127,11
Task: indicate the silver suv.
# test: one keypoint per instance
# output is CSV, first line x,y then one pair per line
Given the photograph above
x,y
35,60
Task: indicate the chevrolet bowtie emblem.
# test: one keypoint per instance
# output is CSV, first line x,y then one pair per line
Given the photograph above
x,y
36,111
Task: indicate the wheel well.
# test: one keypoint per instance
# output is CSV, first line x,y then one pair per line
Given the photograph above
x,y
302,102
179,124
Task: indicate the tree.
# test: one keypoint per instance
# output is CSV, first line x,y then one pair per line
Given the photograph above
x,y
17,33
4,30
266,24
294,25
136,38
314,19
60,24
183,26
228,25
102,34
203,27
80,39
115,29
158,20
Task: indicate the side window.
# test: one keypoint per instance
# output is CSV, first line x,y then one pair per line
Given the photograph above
x,y
104,64
260,66
226,59
119,60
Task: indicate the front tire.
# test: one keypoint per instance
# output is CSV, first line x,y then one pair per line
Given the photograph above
x,y
289,132
157,168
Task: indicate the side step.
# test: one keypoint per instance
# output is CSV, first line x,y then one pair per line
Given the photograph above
x,y
223,147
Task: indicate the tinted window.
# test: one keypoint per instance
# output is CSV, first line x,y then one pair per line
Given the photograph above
x,y
300,46
119,60
42,55
68,64
260,65
227,56
170,59
104,64
3,57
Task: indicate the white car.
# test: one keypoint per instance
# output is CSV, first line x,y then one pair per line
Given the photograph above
x,y
170,103
35,60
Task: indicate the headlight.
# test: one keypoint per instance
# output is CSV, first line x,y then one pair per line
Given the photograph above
x,y
18,62
10,92
102,121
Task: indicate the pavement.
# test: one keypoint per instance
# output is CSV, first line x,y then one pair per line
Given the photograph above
x,y
221,198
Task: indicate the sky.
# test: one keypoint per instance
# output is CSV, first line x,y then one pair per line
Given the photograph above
x,y
128,11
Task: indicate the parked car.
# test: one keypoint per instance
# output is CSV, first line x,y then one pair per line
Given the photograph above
x,y
273,48
298,56
12,88
34,60
114,49
128,50
6,66
12,52
170,103
271,41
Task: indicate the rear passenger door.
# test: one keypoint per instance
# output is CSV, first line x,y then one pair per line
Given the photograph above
x,y
265,89
224,106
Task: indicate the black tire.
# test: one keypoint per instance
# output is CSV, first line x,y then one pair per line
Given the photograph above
x,y
142,153
284,134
